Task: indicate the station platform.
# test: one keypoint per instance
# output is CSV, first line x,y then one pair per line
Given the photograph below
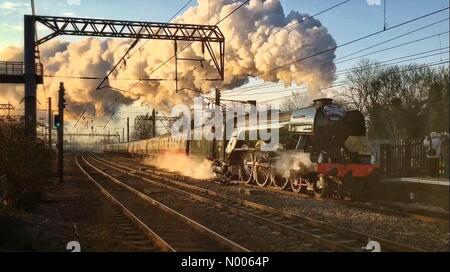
x,y
426,190
420,180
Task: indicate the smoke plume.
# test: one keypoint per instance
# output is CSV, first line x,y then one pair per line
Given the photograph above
x,y
259,36
299,162
184,165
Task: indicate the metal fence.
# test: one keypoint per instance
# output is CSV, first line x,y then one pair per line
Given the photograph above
x,y
408,159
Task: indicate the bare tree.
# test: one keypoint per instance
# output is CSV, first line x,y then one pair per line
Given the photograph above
x,y
363,86
295,101
393,98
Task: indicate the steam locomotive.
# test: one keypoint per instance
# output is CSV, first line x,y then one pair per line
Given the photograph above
x,y
312,155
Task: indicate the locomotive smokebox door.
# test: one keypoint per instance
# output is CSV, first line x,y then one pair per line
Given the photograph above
x,y
354,123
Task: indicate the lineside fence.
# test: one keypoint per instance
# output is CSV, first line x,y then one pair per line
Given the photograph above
x,y
408,159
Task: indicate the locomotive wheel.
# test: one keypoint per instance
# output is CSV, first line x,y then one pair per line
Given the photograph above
x,y
321,187
246,169
280,182
262,175
296,185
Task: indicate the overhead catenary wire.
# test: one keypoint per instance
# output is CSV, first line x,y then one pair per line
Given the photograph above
x,y
394,38
397,25
345,71
440,51
352,41
348,71
353,53
184,48
343,83
133,44
131,47
81,116
228,15
244,89
336,84
294,24
393,47
178,52
242,4
361,38
221,20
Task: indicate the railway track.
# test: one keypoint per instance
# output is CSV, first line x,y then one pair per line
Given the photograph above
x,y
326,236
424,215
127,233
378,207
167,229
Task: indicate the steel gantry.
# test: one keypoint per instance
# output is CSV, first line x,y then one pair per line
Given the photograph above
x,y
8,108
128,29
145,125
208,35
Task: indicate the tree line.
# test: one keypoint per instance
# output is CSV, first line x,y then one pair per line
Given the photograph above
x,y
399,101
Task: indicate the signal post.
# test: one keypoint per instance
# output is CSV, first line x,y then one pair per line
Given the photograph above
x,y
59,125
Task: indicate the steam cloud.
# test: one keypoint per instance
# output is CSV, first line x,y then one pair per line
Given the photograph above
x,y
289,160
256,21
184,165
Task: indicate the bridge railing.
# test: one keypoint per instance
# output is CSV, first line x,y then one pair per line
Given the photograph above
x,y
16,68
12,68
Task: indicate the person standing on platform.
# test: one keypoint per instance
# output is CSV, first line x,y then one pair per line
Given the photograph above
x,y
444,150
433,143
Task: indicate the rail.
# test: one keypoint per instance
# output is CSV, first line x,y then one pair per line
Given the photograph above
x,y
307,229
167,215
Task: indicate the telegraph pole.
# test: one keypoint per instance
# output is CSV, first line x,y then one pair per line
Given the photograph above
x,y
30,76
50,122
154,123
217,100
59,123
214,143
128,129
123,135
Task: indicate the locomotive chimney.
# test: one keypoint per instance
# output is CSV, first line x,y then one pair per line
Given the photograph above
x,y
322,101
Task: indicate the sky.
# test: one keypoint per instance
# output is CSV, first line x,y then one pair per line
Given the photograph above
x,y
345,23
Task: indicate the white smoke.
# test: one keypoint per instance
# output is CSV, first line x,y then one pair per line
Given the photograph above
x,y
262,21
299,162
187,166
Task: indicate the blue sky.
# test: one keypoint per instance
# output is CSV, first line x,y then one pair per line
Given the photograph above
x,y
352,20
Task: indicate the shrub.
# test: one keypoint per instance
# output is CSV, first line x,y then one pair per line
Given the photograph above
x,y
24,161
